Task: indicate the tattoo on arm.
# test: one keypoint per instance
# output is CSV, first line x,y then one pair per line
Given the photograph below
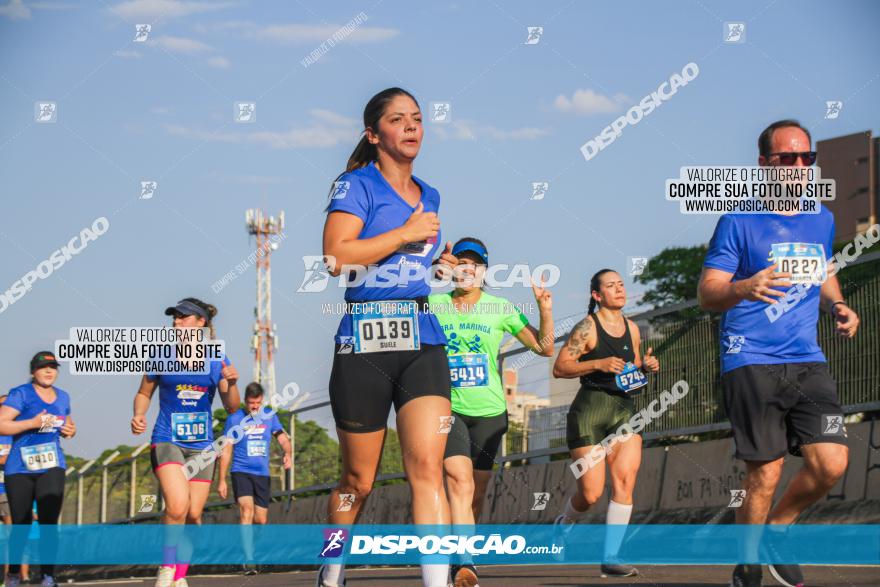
x,y
577,341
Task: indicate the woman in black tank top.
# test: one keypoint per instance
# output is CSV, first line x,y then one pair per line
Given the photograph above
x,y
608,346
603,352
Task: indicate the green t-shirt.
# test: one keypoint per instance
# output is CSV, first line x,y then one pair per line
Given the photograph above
x,y
473,341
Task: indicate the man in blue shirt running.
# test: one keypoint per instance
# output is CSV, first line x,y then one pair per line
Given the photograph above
x,y
250,432
778,392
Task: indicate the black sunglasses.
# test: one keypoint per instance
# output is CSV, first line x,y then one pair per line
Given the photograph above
x,y
790,158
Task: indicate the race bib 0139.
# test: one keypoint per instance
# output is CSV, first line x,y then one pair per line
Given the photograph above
x,y
386,326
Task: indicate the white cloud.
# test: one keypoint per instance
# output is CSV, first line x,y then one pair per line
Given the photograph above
x,y
127,54
260,179
51,5
15,10
290,34
590,102
150,10
160,110
327,129
465,130
225,26
181,45
331,117
218,62
294,33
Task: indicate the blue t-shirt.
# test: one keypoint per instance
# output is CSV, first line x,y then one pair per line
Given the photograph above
x,y
5,447
367,195
185,416
34,452
251,453
743,245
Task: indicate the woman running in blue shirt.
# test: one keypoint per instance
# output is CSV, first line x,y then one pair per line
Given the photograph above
x,y
389,348
36,415
182,430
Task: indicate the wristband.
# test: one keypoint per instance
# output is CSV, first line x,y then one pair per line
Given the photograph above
x,y
835,303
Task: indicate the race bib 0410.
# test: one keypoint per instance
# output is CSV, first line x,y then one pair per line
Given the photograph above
x,y
39,457
805,261
386,326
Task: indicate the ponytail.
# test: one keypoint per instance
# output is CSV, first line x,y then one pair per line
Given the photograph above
x,y
210,310
365,152
595,283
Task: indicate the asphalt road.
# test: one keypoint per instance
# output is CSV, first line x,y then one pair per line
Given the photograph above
x,y
535,576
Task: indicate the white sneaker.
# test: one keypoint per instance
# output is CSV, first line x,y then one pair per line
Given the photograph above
x,y
165,577
319,582
13,580
48,581
181,582
562,528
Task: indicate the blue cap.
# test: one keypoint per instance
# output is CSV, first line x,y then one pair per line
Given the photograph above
x,y
187,308
473,247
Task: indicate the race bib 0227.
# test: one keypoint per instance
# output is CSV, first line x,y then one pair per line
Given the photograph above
x,y
805,261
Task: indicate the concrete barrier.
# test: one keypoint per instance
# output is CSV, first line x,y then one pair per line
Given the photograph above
x,y
697,476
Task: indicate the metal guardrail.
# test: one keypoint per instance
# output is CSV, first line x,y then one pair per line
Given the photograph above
x,y
688,349
108,492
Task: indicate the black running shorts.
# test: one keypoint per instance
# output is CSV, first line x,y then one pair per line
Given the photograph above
x,y
476,437
249,485
596,414
364,386
775,409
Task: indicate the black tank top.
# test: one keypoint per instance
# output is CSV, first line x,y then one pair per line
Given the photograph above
x,y
607,346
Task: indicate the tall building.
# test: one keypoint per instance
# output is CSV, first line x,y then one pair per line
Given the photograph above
x,y
519,403
853,162
562,391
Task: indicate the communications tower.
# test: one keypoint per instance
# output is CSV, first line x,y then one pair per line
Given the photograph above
x,y
268,230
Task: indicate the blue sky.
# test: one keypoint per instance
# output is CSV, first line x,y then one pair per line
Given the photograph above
x,y
163,110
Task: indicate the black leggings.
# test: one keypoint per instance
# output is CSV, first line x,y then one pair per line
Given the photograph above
x,y
22,490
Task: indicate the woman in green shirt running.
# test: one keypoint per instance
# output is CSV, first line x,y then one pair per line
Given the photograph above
x,y
474,323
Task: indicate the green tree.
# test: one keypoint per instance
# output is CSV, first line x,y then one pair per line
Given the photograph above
x,y
315,453
672,275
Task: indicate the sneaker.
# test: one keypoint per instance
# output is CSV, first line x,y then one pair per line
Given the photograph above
x,y
618,570
788,575
48,581
464,576
249,569
560,534
165,577
746,576
181,582
13,580
319,582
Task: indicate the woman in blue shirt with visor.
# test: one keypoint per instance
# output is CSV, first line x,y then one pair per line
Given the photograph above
x,y
36,415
